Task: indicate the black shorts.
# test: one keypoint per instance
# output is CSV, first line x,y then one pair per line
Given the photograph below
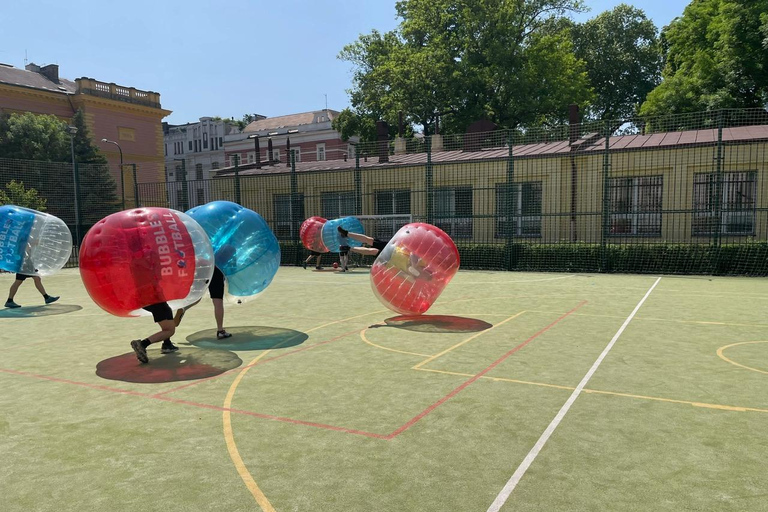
x,y
21,277
160,311
379,244
216,286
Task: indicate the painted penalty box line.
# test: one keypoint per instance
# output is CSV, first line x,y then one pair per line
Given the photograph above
x,y
511,484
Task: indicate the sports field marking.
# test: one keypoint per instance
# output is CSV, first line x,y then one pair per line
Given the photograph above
x,y
722,356
493,365
705,405
520,280
229,437
432,358
523,467
365,339
651,319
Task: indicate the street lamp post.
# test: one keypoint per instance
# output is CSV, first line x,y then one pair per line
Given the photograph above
x,y
122,179
72,131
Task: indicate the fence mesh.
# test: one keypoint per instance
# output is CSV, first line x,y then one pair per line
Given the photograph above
x,y
681,194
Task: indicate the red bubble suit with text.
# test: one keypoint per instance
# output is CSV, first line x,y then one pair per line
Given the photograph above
x,y
135,258
414,268
311,234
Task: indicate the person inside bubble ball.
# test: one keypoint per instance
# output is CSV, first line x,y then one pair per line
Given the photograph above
x,y
216,291
313,254
374,246
162,314
38,284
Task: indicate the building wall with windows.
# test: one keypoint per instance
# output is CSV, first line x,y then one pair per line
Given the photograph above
x,y
650,195
129,116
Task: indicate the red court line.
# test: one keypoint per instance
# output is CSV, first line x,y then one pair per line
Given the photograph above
x,y
240,368
195,404
397,432
458,390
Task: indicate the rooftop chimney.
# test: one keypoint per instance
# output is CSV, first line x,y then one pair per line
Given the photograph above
x,y
382,138
32,67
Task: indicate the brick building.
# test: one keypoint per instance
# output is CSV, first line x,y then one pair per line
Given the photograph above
x,y
309,134
126,115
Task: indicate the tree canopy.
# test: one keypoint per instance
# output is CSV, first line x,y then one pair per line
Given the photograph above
x,y
620,49
715,57
461,60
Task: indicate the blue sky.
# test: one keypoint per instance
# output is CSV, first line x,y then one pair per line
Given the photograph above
x,y
209,58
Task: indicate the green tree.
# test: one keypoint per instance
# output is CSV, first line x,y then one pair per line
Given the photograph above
x,y
16,194
621,51
715,57
33,137
97,188
461,60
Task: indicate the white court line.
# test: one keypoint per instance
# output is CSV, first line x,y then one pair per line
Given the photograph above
x,y
515,479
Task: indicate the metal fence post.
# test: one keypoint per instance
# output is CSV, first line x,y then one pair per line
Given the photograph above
x,y
358,185
295,210
184,187
135,186
429,183
718,192
76,176
606,200
510,204
237,179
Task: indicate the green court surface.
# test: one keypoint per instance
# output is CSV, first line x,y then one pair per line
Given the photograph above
x,y
518,391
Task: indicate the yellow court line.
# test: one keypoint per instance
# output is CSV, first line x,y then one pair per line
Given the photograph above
x,y
729,324
501,379
721,356
614,393
432,358
365,339
229,437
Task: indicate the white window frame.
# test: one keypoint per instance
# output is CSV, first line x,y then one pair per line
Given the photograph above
x,y
729,217
320,150
637,216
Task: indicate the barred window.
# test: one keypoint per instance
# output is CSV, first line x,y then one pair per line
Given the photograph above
x,y
635,206
734,197
338,204
390,202
283,218
453,210
525,202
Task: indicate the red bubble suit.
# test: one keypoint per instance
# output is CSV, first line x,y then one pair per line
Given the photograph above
x,y
414,268
135,258
311,234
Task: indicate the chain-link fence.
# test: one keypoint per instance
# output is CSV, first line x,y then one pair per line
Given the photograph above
x,y
679,194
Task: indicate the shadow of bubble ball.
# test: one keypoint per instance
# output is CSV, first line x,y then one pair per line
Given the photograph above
x,y
185,364
40,310
437,323
249,338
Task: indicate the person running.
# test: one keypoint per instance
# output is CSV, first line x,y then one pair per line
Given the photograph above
x,y
313,254
216,291
20,278
162,314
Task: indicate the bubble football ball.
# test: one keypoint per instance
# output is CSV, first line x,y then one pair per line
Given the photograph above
x,y
32,242
245,248
414,268
311,234
332,239
139,257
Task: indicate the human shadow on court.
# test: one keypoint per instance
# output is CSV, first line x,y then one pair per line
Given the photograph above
x,y
40,310
436,323
249,338
187,363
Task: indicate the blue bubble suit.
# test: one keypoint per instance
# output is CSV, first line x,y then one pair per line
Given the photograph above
x,y
245,249
31,242
332,239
